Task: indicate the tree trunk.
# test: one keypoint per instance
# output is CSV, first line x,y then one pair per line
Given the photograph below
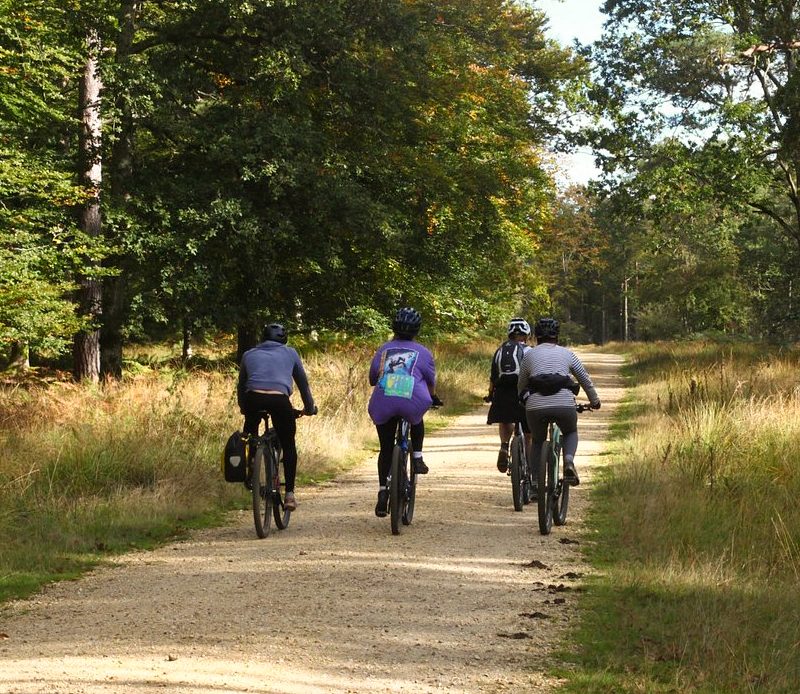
x,y
111,341
19,357
86,348
247,337
115,296
186,351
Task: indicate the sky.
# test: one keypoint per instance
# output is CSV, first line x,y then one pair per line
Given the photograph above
x,y
570,20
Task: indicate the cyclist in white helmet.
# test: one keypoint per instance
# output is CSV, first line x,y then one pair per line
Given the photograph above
x,y
506,409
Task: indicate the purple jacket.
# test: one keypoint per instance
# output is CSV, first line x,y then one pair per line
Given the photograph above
x,y
403,374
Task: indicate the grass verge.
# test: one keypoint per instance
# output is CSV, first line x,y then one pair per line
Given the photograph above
x,y
695,526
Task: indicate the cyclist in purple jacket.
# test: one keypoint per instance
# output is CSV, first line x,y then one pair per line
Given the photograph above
x,y
265,384
403,374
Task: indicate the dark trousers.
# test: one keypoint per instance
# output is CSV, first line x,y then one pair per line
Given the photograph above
x,y
279,408
567,420
386,436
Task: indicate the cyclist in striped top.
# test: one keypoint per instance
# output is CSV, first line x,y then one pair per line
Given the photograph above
x,y
549,392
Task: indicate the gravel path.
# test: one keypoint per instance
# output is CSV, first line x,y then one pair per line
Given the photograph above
x,y
469,598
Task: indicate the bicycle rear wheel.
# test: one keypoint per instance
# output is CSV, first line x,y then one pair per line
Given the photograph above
x,y
411,495
530,480
396,489
560,495
517,473
262,493
278,477
545,490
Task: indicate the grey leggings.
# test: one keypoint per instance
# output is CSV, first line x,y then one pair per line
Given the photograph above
x,y
567,420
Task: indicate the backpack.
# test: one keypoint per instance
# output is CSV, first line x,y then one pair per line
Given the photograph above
x,y
508,360
234,458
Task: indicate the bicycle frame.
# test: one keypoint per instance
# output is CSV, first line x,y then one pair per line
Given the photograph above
x,y
403,434
554,436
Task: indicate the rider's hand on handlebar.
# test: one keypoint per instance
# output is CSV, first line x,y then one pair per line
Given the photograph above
x,y
488,398
596,405
435,401
310,411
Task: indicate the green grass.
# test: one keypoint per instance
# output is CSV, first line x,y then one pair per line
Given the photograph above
x,y
88,472
695,529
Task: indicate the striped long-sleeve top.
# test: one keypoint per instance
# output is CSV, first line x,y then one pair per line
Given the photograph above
x,y
550,358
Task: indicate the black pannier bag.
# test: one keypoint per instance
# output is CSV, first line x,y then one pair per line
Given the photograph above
x,y
234,458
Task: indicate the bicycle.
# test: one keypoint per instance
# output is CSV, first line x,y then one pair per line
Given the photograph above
x,y
402,485
553,491
266,479
522,481
521,472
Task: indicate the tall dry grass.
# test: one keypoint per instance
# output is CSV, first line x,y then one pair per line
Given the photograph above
x,y
698,526
90,470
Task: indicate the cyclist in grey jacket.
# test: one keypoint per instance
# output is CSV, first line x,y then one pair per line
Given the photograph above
x,y
552,398
266,376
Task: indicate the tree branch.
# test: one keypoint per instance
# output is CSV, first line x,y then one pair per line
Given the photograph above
x,y
759,207
771,48
768,98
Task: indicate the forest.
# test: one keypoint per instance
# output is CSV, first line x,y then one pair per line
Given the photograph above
x,y
182,169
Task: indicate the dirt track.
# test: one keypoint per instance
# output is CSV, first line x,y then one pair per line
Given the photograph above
x,y
334,603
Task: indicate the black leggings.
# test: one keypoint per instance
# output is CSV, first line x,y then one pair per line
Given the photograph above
x,y
280,409
386,436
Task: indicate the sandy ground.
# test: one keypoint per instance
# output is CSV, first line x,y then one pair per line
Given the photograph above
x,y
469,598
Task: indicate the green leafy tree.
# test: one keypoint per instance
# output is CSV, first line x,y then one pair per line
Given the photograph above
x,y
675,251
718,78
326,159
41,246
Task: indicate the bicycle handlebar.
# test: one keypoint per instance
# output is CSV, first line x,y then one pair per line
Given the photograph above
x,y
584,407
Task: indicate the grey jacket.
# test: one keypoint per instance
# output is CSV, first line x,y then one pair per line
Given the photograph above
x,y
273,366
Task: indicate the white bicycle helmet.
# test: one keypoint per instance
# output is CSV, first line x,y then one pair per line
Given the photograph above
x,y
519,326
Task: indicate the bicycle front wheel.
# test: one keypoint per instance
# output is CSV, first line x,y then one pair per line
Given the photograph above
x,y
262,492
545,490
517,473
278,477
396,488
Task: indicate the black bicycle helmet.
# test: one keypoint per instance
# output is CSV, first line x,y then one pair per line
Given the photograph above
x,y
407,321
275,332
546,328
518,326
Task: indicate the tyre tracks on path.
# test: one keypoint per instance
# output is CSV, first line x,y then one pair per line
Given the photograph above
x,y
469,598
